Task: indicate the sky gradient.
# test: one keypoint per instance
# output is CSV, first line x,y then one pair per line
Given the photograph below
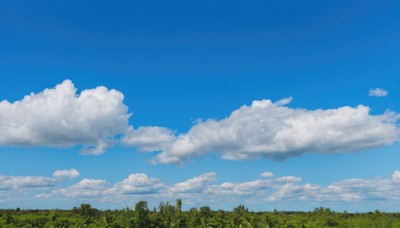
x,y
274,104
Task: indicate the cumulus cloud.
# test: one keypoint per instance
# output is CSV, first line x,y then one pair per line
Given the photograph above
x,y
274,131
101,190
96,118
350,190
138,183
377,92
245,188
86,188
59,117
25,182
267,174
396,176
196,184
69,173
149,138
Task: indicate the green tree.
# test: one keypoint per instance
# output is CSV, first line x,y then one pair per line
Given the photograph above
x,y
142,214
179,220
85,209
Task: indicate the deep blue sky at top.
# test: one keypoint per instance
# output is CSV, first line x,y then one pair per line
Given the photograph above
x,y
176,61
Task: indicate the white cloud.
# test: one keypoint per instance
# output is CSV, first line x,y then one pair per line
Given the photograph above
x,y
86,188
267,174
89,183
70,173
396,176
203,189
59,117
272,130
289,179
350,190
138,183
245,188
24,182
377,92
196,184
149,138
95,118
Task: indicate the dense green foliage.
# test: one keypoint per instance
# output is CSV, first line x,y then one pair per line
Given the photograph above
x,y
168,215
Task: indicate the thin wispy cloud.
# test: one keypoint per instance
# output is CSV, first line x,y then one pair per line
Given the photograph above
x,y
378,92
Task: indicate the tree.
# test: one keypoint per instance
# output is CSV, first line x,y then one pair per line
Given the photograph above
x,y
239,213
205,211
193,218
179,220
85,209
178,206
142,214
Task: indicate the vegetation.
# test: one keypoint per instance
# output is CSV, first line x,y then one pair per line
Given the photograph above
x,y
168,215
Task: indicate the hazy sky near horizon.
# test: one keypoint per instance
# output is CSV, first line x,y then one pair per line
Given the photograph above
x,y
273,104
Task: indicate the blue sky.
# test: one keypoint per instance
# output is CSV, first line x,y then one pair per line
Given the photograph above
x,y
196,77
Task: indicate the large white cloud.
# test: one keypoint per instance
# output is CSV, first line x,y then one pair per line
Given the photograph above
x,y
59,117
94,118
275,131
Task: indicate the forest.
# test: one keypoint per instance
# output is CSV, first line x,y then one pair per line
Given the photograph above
x,y
172,215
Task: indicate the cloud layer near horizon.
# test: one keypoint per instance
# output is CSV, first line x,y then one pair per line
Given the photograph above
x,y
203,188
272,130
